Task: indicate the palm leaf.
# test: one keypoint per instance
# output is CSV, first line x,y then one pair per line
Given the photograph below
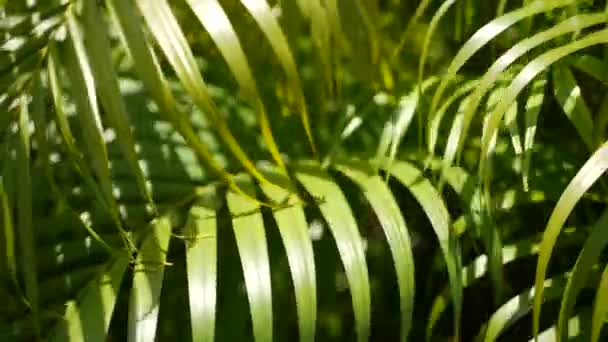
x,y
250,237
344,229
586,176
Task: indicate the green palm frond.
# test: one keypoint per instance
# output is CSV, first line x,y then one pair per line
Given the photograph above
x,y
155,185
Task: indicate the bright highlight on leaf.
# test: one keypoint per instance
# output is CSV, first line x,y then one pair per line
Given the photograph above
x,y
584,179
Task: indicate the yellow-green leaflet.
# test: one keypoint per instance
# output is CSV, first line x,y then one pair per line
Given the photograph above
x,y
250,235
600,307
517,51
106,81
85,97
516,308
201,262
148,277
435,210
149,71
587,259
525,76
584,179
393,224
212,17
339,217
486,34
88,317
164,27
568,94
434,122
293,228
533,106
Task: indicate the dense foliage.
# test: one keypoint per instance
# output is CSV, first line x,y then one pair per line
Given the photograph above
x,y
335,170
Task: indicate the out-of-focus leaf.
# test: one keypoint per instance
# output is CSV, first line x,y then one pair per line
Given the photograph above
x,y
358,26
148,280
422,6
164,27
576,327
99,52
382,201
441,11
431,202
201,258
85,97
262,14
7,200
292,226
342,224
88,317
588,257
215,21
250,236
584,179
149,71
25,233
321,33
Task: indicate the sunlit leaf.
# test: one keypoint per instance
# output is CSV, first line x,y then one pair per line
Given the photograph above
x,y
262,14
525,76
201,258
517,51
533,106
382,201
106,81
600,307
148,69
212,17
88,317
486,34
148,277
292,226
584,179
342,224
434,208
434,122
588,257
163,25
568,94
250,236
83,89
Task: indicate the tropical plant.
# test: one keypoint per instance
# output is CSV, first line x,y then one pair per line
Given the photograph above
x,y
140,200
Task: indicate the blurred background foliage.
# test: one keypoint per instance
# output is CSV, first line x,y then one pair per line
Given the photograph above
x,y
405,224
